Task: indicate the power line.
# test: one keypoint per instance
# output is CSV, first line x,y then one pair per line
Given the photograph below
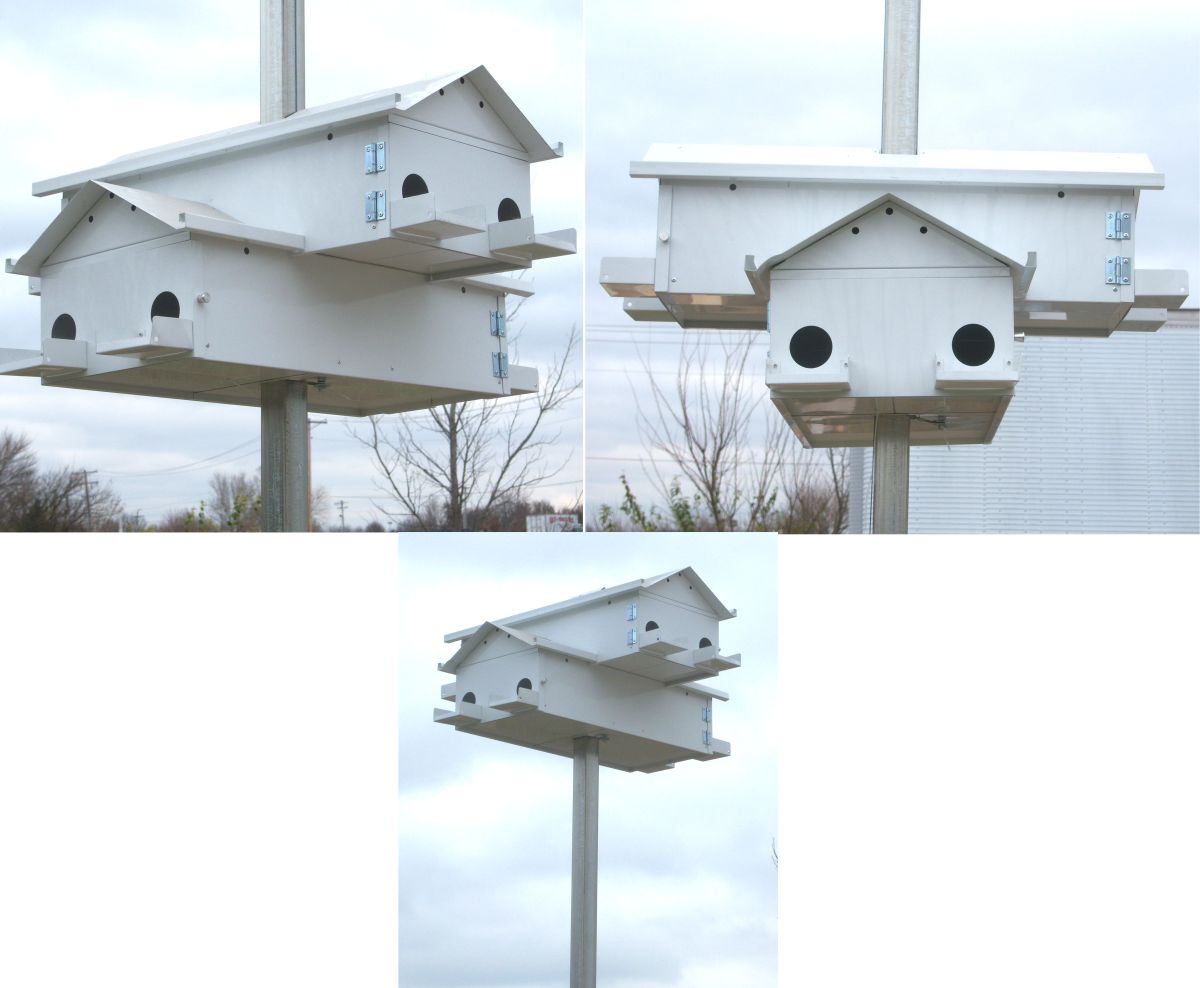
x,y
184,468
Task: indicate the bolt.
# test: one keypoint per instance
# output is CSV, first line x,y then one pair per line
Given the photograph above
x,y
203,297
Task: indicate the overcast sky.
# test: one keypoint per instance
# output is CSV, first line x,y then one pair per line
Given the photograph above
x,y
96,81
1071,75
687,893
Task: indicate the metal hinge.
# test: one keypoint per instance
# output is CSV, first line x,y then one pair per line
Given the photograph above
x,y
499,365
631,612
375,157
1117,226
497,323
706,714
707,736
376,206
1117,270
631,636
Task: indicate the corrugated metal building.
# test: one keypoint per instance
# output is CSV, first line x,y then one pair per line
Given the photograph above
x,y
1102,436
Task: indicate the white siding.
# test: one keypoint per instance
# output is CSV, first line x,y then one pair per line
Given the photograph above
x,y
1102,436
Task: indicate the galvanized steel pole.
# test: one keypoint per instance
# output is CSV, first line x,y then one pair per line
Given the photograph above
x,y
284,421
284,404
901,77
281,58
585,830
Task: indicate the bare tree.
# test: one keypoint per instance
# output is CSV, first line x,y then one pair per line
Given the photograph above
x,y
705,432
721,458
62,500
468,463
18,475
814,493
236,501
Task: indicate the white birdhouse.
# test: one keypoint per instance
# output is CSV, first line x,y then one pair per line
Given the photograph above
x,y
624,664
895,283
355,246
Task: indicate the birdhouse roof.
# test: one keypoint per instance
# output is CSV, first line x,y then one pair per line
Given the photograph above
x,y
488,628
397,100
720,611
174,213
480,634
1058,169
1015,265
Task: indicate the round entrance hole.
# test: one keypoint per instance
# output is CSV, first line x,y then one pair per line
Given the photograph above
x,y
63,328
810,346
413,185
165,304
973,345
525,684
468,698
651,625
705,643
508,210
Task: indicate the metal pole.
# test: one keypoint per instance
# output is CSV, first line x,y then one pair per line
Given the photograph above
x,y
284,421
889,507
585,829
281,58
901,77
285,456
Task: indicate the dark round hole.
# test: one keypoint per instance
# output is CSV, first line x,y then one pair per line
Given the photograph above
x,y
245,250
705,643
462,82
481,104
63,328
468,698
463,289
810,346
973,345
508,210
91,218
329,136
651,625
441,92
1061,194
524,684
413,185
133,209
889,210
924,229
733,186
854,229
112,195
165,304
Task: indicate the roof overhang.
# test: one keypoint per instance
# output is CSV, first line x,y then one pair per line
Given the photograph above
x,y
317,118
480,634
721,612
174,213
1032,169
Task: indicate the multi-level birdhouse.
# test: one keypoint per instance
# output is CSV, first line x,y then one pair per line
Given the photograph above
x,y
624,664
356,246
895,283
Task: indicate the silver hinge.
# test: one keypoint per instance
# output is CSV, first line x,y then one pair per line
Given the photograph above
x,y
706,714
1117,270
376,206
631,612
707,737
1117,226
497,323
631,636
375,157
500,365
